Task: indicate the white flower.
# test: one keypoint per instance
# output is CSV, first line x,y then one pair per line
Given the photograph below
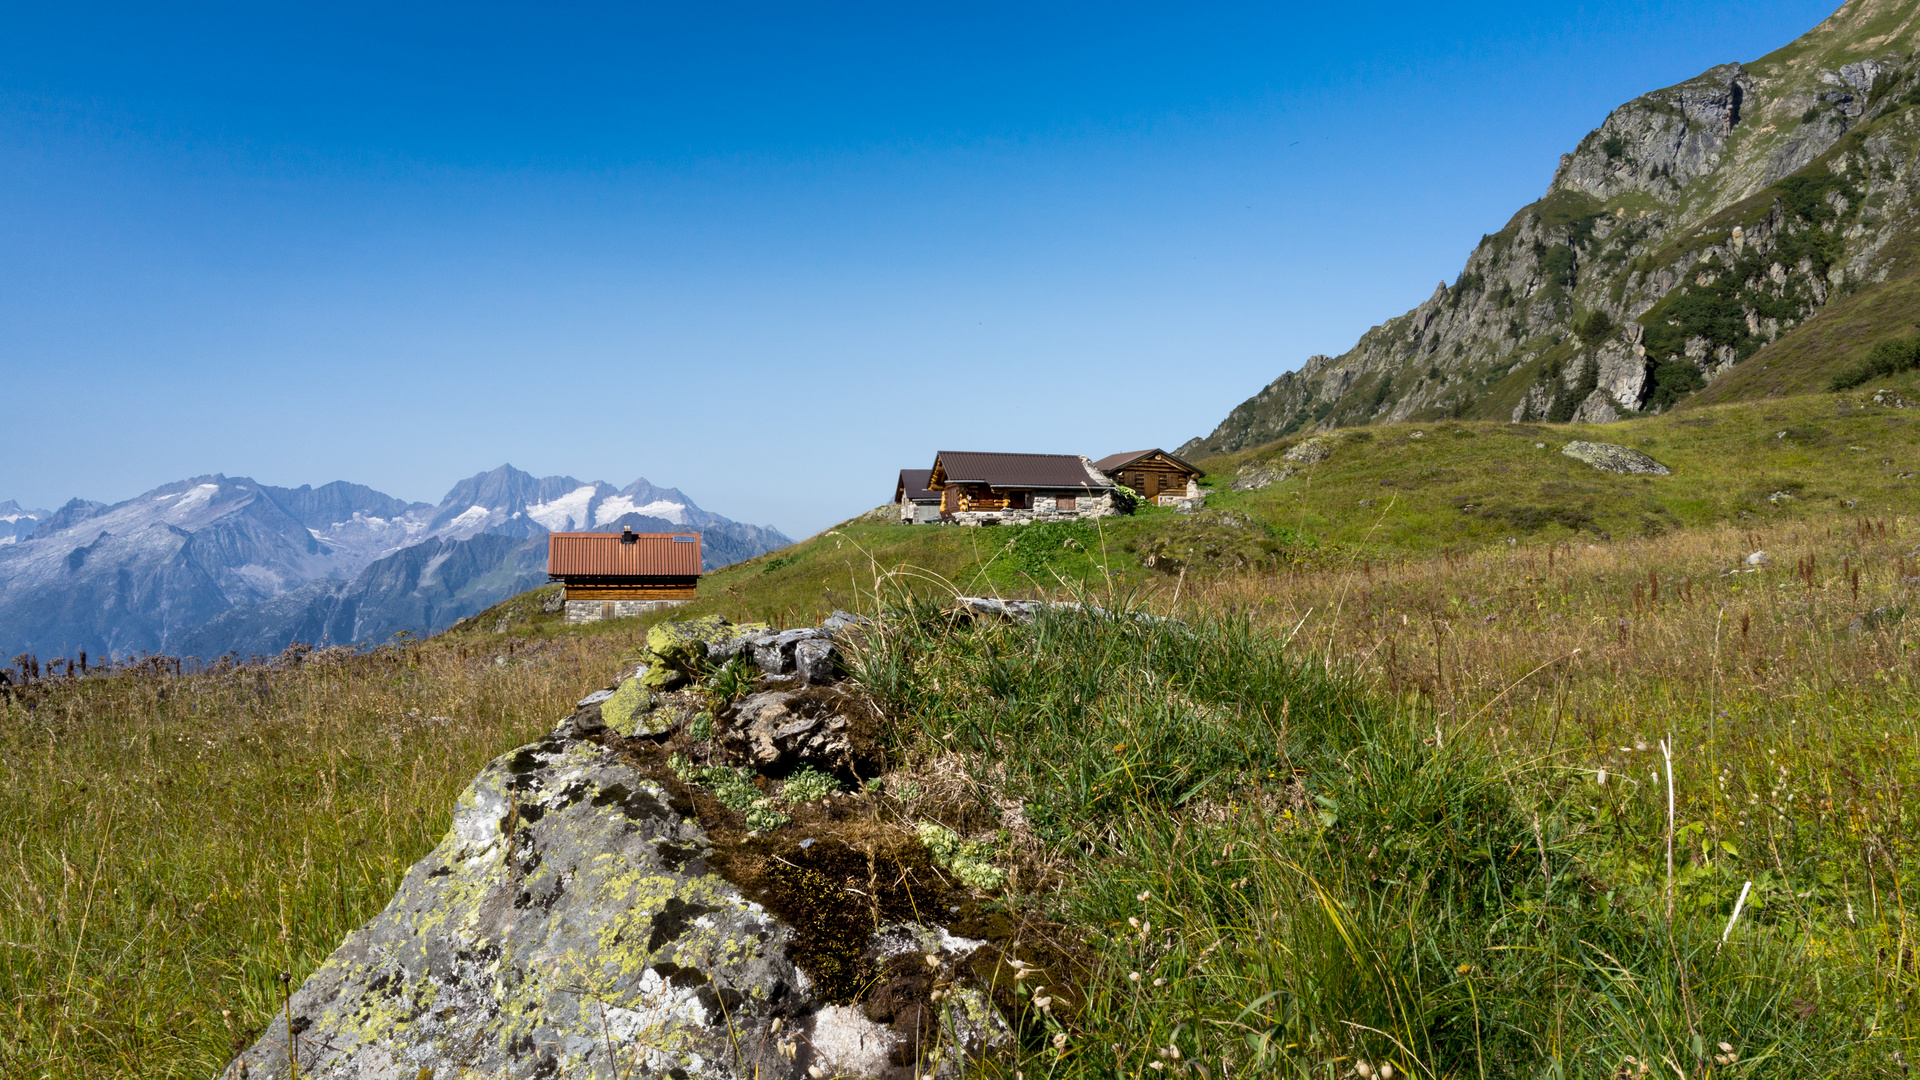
x,y
1060,1041
1600,775
1133,976
1143,896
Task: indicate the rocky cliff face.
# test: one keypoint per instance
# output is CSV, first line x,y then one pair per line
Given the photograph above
x,y
1694,227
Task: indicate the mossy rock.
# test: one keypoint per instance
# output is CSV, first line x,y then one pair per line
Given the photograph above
x,y
676,650
630,711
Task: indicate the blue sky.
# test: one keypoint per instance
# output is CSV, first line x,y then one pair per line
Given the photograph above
x,y
769,255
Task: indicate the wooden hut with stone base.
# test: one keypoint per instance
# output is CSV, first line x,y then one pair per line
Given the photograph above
x,y
918,506
615,575
1008,489
1156,476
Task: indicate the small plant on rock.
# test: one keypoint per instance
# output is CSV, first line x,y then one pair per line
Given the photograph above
x,y
968,860
809,785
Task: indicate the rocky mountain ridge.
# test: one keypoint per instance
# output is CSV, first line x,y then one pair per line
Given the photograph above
x,y
212,564
17,523
1696,226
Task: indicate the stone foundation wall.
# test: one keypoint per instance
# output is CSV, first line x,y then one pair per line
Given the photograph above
x,y
1045,508
913,513
586,611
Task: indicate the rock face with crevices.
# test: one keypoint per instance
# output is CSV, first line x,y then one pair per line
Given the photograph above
x,y
1608,457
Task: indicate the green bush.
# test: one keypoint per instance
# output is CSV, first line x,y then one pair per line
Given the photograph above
x,y
1559,267
1887,358
1594,326
1674,380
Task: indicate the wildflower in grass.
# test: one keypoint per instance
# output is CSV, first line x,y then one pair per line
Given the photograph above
x,y
1159,982
1060,1041
1143,896
1133,976
1600,777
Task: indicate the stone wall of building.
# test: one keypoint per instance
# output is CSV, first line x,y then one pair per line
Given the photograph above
x,y
587,611
1045,508
913,513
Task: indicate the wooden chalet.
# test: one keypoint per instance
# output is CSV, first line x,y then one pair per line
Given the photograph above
x,y
987,489
614,575
917,504
1154,475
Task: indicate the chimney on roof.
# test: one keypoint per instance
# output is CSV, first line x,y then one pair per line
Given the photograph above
x,y
626,536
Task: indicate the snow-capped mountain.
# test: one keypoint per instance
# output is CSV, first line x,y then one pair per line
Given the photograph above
x,y
16,524
511,502
216,563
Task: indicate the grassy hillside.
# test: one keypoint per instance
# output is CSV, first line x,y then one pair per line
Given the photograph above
x,y
1387,492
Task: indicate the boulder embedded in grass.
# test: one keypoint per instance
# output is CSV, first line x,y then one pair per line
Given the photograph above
x,y
1614,459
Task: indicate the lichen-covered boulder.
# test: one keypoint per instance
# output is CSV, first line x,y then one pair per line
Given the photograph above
x,y
566,925
630,711
1614,459
678,651
575,922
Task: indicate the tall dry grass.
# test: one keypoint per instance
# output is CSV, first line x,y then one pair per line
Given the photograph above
x,y
174,843
1786,692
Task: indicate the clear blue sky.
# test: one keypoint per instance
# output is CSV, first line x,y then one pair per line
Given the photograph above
x,y
769,255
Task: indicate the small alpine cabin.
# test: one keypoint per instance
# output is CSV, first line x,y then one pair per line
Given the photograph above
x,y
615,575
994,489
918,506
1156,476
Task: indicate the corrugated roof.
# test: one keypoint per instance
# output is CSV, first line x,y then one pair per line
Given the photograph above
x,y
1018,470
649,555
1115,462
913,485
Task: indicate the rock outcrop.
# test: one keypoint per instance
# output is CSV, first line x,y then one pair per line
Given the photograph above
x,y
642,893
1694,227
1614,459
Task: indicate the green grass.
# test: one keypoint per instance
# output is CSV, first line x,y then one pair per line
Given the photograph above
x,y
1284,875
174,843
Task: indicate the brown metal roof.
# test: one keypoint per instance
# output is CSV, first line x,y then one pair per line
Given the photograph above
x,y
913,485
608,554
1115,462
1014,470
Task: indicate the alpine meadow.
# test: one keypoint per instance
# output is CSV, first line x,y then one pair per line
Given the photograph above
x,y
1531,691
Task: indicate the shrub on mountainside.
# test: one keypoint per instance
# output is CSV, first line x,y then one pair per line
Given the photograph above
x,y
1887,358
1674,380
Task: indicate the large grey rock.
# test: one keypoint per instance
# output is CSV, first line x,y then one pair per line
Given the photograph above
x,y
774,653
569,924
1253,479
566,925
1311,451
781,730
1615,459
816,661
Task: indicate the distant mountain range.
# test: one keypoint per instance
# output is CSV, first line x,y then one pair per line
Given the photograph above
x,y
215,564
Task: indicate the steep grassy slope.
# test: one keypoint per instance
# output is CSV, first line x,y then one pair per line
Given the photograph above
x,y
1697,226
